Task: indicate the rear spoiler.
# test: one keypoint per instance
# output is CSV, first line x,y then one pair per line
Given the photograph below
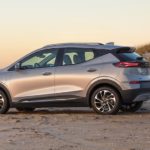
x,y
125,50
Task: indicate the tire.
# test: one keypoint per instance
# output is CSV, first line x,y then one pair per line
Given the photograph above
x,y
131,107
105,101
4,103
25,109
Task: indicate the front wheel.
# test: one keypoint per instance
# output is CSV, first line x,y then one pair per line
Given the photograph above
x,y
105,101
131,107
4,103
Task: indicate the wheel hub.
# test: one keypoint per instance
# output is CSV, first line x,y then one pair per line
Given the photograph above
x,y
105,100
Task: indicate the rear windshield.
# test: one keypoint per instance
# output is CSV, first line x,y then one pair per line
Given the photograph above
x,y
130,56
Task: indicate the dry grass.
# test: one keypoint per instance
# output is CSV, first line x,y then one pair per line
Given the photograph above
x,y
143,49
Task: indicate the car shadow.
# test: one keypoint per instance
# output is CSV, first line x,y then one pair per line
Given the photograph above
x,y
55,111
74,111
142,111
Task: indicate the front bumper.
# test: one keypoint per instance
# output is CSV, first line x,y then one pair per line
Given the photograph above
x,y
138,95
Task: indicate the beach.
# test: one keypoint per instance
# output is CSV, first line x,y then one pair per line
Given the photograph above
x,y
75,129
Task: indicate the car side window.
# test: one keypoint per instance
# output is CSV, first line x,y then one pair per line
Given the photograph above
x,y
89,55
41,59
74,56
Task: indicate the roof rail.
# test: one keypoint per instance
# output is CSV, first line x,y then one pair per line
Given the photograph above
x,y
110,43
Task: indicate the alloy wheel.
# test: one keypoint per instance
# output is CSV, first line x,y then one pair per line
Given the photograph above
x,y
105,101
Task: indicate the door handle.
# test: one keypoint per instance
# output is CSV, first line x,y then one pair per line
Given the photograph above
x,y
47,73
91,70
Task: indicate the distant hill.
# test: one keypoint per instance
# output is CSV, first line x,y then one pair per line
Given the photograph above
x,y
143,49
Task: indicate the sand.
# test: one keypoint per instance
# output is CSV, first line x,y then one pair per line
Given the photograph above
x,y
75,129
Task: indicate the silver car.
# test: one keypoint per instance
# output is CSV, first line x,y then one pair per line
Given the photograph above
x,y
106,77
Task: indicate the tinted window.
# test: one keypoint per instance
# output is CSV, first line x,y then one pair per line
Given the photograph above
x,y
89,55
133,56
42,59
74,56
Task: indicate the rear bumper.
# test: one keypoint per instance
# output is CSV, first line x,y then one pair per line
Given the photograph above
x,y
130,96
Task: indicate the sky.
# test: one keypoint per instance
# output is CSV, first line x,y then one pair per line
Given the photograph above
x,y
26,25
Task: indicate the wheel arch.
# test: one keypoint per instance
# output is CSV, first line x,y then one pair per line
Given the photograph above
x,y
102,83
6,92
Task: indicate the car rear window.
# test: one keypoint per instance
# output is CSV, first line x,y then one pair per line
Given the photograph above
x,y
130,56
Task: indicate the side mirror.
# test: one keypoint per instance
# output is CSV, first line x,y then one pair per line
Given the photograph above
x,y
17,66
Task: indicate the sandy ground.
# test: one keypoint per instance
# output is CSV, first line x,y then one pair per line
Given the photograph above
x,y
75,129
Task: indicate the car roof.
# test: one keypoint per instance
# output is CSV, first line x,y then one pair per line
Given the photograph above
x,y
98,46
84,45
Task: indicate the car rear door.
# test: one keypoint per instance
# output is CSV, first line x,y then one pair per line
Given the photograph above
x,y
73,75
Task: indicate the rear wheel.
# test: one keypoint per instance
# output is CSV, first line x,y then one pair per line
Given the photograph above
x,y
131,107
4,103
25,109
105,101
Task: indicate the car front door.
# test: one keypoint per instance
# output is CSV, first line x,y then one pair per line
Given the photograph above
x,y
35,78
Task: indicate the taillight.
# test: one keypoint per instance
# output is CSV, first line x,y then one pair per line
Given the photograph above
x,y
127,64
134,82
